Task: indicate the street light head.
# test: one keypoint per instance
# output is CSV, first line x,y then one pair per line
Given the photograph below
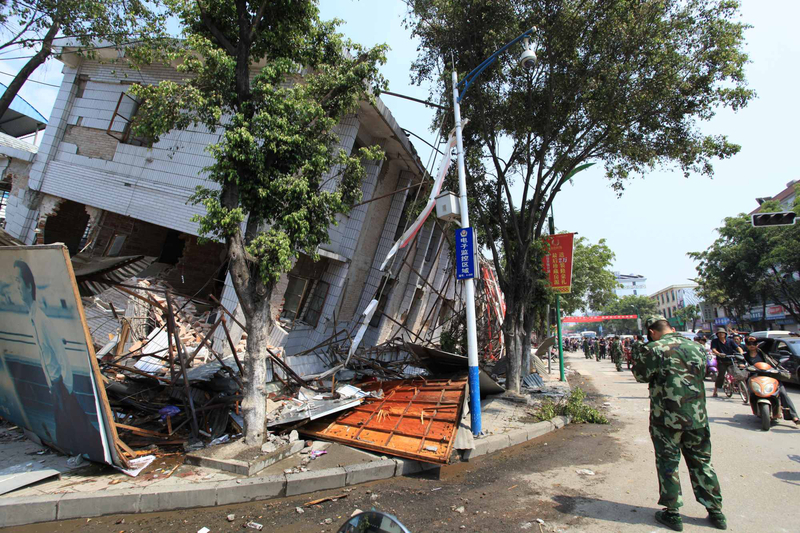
x,y
528,58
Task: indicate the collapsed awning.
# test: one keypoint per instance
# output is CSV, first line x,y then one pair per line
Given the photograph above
x,y
416,419
97,274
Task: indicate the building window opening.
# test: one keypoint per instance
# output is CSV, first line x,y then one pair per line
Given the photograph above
x,y
316,302
293,298
375,321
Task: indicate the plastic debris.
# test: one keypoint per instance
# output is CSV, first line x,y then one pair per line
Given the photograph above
x,y
254,525
204,530
169,410
220,440
584,472
231,517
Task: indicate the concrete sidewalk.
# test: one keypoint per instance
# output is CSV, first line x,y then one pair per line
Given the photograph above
x,y
166,485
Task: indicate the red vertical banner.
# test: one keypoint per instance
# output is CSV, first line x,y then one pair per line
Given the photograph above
x,y
558,262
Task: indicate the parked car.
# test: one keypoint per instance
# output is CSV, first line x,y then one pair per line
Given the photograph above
x,y
773,333
783,348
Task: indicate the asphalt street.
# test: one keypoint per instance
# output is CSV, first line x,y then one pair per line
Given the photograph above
x,y
582,478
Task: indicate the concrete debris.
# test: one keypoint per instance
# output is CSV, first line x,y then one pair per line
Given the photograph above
x,y
459,510
299,510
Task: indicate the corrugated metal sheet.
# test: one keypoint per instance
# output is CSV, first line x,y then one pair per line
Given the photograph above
x,y
415,419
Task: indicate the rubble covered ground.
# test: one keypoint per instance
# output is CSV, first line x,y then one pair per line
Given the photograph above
x,y
171,372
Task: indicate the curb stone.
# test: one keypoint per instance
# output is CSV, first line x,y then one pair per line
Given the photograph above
x,y
250,490
47,508
28,510
372,471
304,482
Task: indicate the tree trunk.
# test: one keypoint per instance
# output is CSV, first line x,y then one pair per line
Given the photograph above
x,y
25,72
511,332
254,406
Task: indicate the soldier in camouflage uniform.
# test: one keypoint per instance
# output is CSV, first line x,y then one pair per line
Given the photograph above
x,y
616,353
674,368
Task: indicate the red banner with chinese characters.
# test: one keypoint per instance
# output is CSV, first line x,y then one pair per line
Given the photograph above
x,y
600,318
558,263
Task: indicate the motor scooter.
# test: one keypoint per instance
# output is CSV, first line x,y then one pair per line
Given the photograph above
x,y
763,385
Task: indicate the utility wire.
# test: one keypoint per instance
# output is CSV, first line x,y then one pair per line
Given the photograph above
x,y
32,81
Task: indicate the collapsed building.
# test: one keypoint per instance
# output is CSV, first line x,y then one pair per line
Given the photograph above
x,y
120,204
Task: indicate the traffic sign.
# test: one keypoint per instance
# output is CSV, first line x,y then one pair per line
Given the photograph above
x,y
466,254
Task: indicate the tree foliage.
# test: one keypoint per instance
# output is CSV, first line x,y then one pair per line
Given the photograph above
x,y
273,81
687,316
747,266
33,25
626,82
593,282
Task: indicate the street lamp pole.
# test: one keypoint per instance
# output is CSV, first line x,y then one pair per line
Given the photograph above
x,y
469,284
527,60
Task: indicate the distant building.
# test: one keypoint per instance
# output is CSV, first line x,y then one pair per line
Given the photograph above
x,y
785,197
630,285
670,299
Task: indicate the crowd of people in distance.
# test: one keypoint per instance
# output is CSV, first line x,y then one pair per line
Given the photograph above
x,y
616,348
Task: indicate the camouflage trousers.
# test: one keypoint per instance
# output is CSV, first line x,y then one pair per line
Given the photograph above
x,y
695,445
617,360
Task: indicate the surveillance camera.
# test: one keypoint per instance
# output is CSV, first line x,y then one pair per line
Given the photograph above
x,y
528,59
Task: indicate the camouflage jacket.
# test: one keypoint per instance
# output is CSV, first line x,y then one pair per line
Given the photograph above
x,y
616,347
674,368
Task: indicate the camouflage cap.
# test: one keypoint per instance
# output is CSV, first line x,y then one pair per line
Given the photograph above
x,y
652,319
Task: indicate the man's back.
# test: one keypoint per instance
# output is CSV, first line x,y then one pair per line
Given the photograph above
x,y
674,367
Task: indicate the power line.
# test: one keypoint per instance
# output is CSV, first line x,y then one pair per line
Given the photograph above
x,y
32,81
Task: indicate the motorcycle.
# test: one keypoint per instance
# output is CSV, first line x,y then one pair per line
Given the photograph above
x,y
763,385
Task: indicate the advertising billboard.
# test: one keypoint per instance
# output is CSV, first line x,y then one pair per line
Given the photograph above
x,y
50,383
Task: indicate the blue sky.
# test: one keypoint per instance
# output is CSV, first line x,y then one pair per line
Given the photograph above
x,y
659,218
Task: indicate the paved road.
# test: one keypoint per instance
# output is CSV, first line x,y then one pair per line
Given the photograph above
x,y
759,472
508,491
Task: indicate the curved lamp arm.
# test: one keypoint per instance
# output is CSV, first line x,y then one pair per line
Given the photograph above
x,y
474,73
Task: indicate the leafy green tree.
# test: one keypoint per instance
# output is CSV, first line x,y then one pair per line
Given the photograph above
x,y
278,178
748,266
33,26
619,81
593,282
688,316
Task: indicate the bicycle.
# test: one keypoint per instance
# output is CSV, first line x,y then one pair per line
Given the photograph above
x,y
735,381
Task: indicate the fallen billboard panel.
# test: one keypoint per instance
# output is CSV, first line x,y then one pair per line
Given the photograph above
x,y
416,419
50,383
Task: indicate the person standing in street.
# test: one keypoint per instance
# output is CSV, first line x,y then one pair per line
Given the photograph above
x,y
725,349
616,353
674,368
586,348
